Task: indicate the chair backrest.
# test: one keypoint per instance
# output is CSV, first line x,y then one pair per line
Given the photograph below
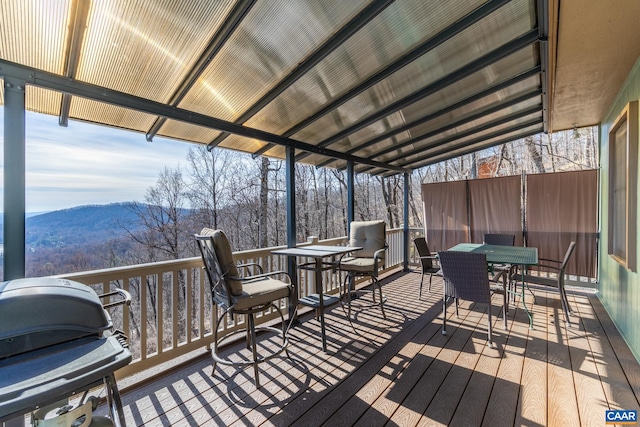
x,y
370,235
567,255
465,275
219,264
500,239
423,251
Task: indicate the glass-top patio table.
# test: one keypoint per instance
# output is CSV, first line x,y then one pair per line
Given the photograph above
x,y
497,254
319,300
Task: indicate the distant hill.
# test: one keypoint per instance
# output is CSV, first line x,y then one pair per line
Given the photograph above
x,y
79,225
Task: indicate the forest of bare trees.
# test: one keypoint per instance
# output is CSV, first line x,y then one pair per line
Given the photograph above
x,y
246,197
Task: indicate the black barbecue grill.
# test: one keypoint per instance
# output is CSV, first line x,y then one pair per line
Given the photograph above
x,y
57,340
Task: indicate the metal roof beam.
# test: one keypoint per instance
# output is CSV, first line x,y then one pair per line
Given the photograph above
x,y
479,95
475,97
215,44
453,153
459,74
442,150
422,49
353,26
543,25
487,126
493,109
79,15
102,94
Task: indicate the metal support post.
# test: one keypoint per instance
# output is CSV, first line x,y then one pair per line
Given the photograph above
x,y
14,178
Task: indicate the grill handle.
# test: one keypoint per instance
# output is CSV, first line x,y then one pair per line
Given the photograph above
x,y
125,298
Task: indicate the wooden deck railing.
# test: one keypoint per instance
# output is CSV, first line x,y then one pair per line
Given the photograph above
x,y
171,312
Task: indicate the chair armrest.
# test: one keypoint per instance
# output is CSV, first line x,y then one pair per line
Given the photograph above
x,y
251,264
380,252
428,257
550,260
263,275
496,277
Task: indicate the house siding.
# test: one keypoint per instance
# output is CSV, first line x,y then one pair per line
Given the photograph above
x,y
619,288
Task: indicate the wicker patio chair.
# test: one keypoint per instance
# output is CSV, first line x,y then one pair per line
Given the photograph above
x,y
500,239
465,277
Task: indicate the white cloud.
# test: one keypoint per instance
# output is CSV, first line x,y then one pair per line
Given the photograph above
x,y
89,164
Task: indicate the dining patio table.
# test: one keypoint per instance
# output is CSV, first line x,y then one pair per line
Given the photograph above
x,y
318,300
513,255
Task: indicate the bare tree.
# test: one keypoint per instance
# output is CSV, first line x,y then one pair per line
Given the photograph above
x,y
207,188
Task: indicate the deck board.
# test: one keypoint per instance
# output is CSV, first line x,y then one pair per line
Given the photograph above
x,y
403,371
532,404
591,398
503,401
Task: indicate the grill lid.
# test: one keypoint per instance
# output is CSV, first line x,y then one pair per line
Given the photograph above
x,y
39,312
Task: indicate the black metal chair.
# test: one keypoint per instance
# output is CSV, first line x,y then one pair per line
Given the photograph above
x,y
465,277
428,261
371,237
242,295
557,281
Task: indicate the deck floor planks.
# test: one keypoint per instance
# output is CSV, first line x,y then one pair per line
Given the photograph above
x,y
442,407
302,407
590,395
392,373
532,403
345,369
562,405
353,352
375,378
430,342
613,377
618,349
478,390
349,388
422,394
503,401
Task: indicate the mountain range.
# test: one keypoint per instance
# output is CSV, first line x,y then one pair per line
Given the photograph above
x,y
78,225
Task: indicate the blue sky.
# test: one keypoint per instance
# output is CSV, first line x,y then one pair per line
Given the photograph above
x,y
89,164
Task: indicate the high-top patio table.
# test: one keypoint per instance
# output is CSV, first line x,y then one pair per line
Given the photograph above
x,y
318,300
498,254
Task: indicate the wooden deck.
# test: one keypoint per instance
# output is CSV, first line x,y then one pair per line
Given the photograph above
x,y
403,372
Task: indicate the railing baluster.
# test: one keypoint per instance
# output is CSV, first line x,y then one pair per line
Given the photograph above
x,y
160,319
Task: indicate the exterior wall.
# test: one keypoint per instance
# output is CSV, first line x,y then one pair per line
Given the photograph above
x,y
619,288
